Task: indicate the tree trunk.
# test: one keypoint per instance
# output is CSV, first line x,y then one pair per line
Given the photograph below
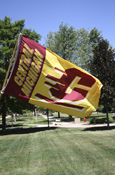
x,y
12,120
70,117
35,111
48,116
58,114
107,117
3,113
51,113
14,115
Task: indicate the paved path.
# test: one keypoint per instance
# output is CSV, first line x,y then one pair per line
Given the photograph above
x,y
73,125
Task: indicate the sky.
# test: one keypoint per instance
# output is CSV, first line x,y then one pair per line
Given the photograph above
x,y
44,16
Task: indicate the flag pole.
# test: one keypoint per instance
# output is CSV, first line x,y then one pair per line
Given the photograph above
x,y
9,66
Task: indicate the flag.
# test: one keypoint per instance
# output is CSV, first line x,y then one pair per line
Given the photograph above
x,y
42,78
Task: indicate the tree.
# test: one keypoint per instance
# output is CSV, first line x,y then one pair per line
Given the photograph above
x,y
50,41
73,45
63,41
94,36
83,48
8,37
102,65
85,43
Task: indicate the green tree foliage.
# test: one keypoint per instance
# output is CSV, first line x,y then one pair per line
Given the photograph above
x,y
31,34
8,37
17,105
94,36
63,41
73,45
83,48
85,43
50,41
102,65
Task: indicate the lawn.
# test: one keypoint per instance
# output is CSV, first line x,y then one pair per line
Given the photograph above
x,y
57,151
22,121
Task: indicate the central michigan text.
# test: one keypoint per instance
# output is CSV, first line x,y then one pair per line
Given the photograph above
x,y
28,70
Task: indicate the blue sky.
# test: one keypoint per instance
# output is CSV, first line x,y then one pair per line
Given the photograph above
x,y
46,15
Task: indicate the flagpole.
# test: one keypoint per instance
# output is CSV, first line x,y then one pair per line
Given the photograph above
x,y
9,66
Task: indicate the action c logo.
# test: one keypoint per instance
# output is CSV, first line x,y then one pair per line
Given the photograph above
x,y
70,89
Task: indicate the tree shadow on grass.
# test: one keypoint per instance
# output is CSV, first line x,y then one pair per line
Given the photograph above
x,y
99,128
20,120
25,130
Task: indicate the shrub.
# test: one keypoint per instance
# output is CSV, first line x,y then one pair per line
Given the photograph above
x,y
111,120
93,120
100,108
104,109
101,120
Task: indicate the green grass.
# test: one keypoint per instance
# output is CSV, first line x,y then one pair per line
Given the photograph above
x,y
58,151
63,117
55,114
101,115
23,120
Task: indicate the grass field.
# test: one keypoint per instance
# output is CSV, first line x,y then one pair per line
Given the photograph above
x,y
23,120
57,151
